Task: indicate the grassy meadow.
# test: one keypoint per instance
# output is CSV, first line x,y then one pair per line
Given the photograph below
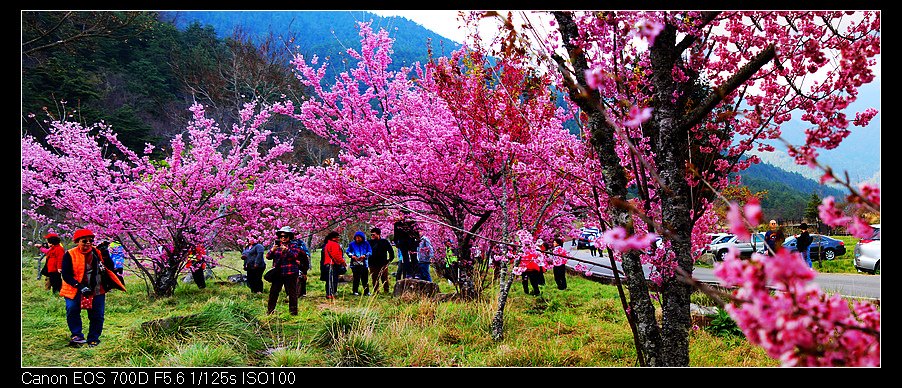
x,y
225,325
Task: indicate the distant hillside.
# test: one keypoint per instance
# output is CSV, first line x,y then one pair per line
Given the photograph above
x,y
324,33
788,192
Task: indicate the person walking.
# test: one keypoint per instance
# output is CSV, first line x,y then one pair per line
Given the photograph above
x,y
359,252
803,242
558,263
254,255
383,254
425,253
334,264
284,256
532,273
54,260
774,237
452,264
117,254
303,267
407,239
544,248
84,271
197,264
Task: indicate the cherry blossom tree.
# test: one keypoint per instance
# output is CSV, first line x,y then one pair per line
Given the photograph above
x,y
460,142
158,209
672,100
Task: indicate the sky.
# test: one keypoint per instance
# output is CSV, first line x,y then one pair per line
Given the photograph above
x,y
856,155
442,22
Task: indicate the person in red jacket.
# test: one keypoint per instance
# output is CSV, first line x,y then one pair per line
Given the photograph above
x,y
197,264
82,269
54,254
533,272
333,263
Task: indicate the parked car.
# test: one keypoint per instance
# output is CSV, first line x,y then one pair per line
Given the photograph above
x,y
746,247
712,237
828,247
586,236
867,253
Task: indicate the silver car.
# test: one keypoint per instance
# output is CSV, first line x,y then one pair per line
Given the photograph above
x,y
746,247
867,253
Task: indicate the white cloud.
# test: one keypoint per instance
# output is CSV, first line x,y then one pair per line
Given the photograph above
x,y
443,22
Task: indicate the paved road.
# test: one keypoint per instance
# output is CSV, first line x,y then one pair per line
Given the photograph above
x,y
854,285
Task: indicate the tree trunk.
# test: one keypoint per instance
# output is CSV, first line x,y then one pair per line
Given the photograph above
x,y
507,279
643,311
602,139
671,158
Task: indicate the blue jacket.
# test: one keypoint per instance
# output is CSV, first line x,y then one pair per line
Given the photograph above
x,y
255,255
425,251
359,249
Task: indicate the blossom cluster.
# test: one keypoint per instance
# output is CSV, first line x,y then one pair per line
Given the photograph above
x,y
778,308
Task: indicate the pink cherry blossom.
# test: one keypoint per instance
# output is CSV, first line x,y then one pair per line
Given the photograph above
x,y
859,228
617,239
799,324
737,222
649,29
830,215
637,116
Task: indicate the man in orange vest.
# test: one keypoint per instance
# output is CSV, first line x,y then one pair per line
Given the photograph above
x,y
83,270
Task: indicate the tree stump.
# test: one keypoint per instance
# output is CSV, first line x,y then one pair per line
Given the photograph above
x,y
415,287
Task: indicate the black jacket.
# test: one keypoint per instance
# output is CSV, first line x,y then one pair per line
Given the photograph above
x,y
803,241
383,252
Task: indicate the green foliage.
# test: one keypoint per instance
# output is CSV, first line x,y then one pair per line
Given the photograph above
x,y
722,325
204,355
341,324
811,212
292,358
358,350
787,192
219,321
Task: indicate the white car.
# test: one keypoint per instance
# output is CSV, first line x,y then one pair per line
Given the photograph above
x,y
712,237
867,253
720,247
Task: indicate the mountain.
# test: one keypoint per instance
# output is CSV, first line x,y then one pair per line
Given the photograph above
x,y
858,154
324,33
787,192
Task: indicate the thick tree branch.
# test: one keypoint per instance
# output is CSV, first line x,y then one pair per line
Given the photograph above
x,y
718,94
684,44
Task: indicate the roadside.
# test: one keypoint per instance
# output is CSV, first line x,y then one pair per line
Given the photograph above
x,y
848,284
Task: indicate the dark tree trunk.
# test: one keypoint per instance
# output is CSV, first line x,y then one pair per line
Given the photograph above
x,y
507,279
641,307
602,139
669,133
672,144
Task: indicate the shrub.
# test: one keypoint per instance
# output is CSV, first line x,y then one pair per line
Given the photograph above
x,y
722,325
293,358
201,354
358,350
340,324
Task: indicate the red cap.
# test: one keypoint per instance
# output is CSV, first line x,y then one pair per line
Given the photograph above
x,y
51,234
82,233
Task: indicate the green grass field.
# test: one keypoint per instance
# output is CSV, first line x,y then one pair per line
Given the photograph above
x,y
226,325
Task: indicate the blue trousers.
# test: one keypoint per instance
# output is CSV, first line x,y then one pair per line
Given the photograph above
x,y
807,257
424,272
95,317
